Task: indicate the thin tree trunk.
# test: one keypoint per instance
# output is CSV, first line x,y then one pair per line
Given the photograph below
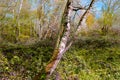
x,y
63,43
21,3
82,17
62,46
18,15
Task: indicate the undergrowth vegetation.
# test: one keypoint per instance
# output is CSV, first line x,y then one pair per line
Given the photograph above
x,y
93,60
21,62
83,36
89,58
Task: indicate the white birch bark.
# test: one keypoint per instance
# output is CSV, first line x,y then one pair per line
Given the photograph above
x,y
63,42
19,10
83,22
21,3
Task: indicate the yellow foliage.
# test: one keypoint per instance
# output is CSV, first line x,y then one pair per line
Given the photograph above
x,y
23,38
40,12
90,20
107,18
1,10
25,10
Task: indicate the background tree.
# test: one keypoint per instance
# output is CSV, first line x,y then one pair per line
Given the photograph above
x,y
109,10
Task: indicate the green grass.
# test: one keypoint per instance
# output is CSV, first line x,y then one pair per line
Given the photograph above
x,y
91,64
89,58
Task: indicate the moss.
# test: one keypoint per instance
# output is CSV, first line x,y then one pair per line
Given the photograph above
x,y
52,60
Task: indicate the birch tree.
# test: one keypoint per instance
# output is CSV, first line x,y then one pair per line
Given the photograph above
x,y
58,53
109,10
64,42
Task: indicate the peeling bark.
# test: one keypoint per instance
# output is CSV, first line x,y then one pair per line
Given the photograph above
x,y
62,46
62,43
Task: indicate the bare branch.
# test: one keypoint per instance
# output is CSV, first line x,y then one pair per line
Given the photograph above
x,y
82,17
76,8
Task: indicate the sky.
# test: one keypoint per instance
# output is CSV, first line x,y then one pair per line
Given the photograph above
x,y
97,6
34,4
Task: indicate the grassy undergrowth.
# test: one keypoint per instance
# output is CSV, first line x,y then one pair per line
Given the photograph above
x,y
92,58
89,58
91,64
24,61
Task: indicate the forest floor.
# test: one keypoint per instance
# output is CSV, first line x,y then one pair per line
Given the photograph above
x,y
89,58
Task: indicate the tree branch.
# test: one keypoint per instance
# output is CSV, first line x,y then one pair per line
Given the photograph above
x,y
82,17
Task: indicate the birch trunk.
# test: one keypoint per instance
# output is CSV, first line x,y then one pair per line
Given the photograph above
x,y
62,42
62,46
21,3
18,15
